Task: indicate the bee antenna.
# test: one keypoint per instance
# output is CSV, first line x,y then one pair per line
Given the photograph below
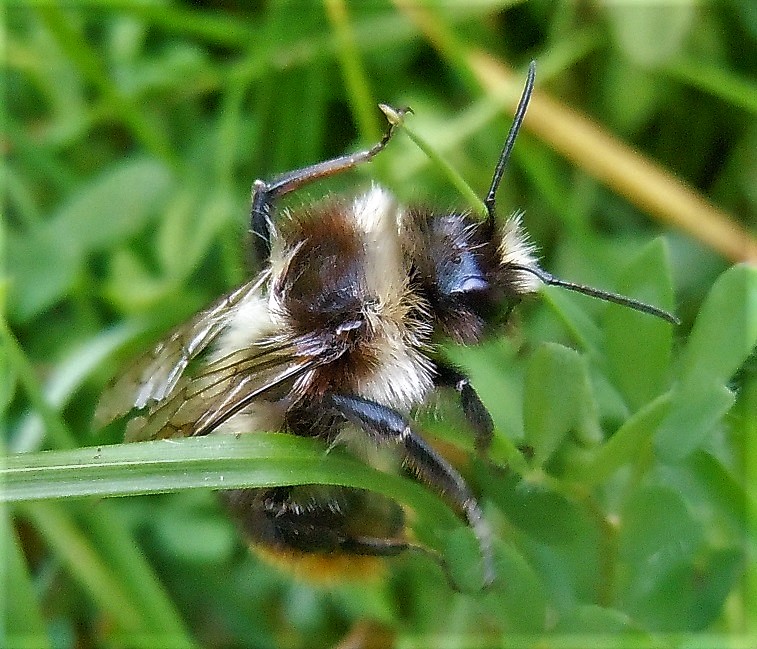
x,y
636,305
499,170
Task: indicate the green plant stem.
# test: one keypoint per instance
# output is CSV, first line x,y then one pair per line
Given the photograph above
x,y
475,202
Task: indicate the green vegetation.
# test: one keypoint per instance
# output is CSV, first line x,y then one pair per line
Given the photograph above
x,y
621,478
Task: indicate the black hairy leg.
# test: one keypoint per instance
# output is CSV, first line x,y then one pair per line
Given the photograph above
x,y
385,426
265,193
449,376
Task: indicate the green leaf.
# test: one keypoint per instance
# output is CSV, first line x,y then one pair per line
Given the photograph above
x,y
597,464
41,272
547,516
370,601
632,94
725,331
690,596
557,399
113,206
83,561
730,493
723,337
115,546
554,531
189,227
497,376
591,620
518,595
696,412
67,378
657,530
715,79
638,345
131,287
193,533
581,328
670,585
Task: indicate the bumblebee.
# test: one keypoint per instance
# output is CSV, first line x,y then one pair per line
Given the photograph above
x,y
334,339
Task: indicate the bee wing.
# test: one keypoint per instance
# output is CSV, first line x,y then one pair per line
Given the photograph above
x,y
199,404
154,376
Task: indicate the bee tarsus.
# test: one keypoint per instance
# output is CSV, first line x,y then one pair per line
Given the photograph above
x,y
265,193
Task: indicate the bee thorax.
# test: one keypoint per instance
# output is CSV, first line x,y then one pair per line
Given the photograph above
x,y
340,283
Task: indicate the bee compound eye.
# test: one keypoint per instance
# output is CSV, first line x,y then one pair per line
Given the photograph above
x,y
471,284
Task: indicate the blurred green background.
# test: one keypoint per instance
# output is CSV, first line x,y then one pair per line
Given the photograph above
x,y
132,133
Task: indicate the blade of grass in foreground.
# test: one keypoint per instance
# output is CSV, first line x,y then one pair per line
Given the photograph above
x,y
217,462
93,544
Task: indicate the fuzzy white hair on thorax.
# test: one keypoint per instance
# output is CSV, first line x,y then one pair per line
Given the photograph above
x,y
378,216
250,323
517,249
401,381
375,212
402,378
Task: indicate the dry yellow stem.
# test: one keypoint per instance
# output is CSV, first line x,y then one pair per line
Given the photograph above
x,y
617,165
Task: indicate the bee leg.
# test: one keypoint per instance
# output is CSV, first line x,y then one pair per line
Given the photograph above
x,y
449,376
385,425
265,193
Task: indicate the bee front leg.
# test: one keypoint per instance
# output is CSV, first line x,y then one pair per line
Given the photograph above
x,y
449,376
388,426
265,193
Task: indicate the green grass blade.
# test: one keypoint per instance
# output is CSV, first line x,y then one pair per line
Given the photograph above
x,y
218,462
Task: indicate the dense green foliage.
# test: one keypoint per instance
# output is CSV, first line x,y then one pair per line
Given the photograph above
x,y
619,481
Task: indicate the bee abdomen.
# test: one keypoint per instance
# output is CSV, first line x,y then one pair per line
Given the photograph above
x,y
321,532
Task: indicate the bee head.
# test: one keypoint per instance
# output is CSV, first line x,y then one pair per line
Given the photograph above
x,y
462,271
470,270
518,271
